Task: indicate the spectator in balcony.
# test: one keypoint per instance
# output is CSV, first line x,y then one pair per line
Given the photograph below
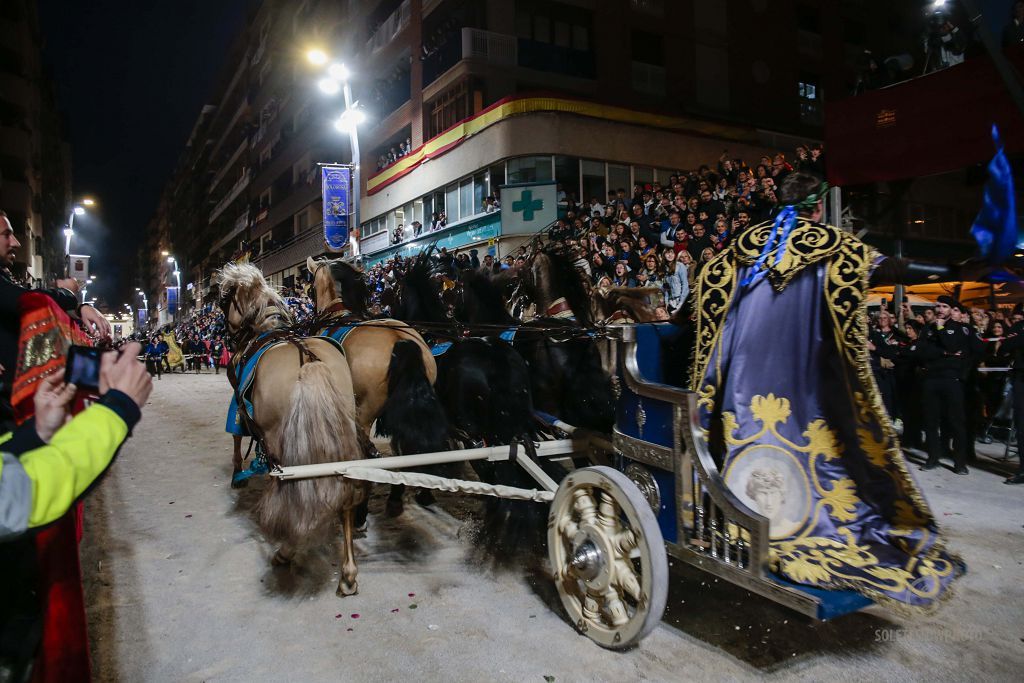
x,y
490,204
398,236
417,228
628,256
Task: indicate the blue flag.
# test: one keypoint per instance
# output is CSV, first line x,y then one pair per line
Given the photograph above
x,y
995,227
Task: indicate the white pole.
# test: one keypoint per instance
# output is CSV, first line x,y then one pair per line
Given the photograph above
x,y
545,449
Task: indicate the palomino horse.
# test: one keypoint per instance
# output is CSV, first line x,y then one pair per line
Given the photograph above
x,y
303,410
393,371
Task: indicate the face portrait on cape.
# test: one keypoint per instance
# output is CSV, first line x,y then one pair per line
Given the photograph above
x,y
770,481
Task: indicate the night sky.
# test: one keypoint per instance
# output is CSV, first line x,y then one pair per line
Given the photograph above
x,y
131,79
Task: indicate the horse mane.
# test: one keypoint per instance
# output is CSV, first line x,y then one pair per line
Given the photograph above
x,y
482,300
254,296
567,281
350,286
418,296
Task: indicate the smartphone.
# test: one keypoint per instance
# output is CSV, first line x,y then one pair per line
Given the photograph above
x,y
83,367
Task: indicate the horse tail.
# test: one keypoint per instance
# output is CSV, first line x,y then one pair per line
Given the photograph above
x,y
413,416
320,427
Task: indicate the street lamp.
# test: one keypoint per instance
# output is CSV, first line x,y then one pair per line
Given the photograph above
x,y
337,79
69,231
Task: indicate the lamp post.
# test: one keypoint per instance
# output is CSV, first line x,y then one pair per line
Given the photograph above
x,y
177,288
69,231
337,79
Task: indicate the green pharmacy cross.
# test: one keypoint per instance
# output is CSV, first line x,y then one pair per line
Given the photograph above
x,y
528,205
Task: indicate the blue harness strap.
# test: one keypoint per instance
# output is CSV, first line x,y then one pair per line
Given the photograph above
x,y
509,335
439,348
336,332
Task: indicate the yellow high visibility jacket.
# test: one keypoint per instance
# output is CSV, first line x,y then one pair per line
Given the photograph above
x,y
42,484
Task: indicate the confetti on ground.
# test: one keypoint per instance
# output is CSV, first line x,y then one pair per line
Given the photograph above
x,y
355,616
394,610
412,606
350,629
432,627
337,616
188,516
412,595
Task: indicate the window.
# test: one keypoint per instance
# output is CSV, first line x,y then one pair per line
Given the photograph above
x,y
567,175
447,109
466,198
642,175
593,179
497,173
301,222
618,177
479,191
452,202
810,100
265,199
647,48
529,169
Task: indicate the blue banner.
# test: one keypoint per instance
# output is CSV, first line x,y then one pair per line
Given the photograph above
x,y
335,189
172,300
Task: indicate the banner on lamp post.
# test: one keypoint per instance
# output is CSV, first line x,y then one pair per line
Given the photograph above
x,y
336,187
78,267
172,300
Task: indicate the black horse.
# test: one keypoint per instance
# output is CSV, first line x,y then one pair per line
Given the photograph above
x,y
569,380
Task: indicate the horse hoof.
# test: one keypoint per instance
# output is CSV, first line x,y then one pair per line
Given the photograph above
x,y
239,483
347,589
425,497
280,560
395,507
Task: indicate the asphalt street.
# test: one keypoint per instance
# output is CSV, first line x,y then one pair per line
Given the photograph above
x,y
179,587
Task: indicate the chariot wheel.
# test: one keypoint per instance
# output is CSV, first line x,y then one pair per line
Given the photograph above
x,y
607,557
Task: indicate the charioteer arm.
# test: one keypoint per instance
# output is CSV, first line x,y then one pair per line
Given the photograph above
x,y
897,271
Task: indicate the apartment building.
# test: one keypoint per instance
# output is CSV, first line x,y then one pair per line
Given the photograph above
x,y
467,99
34,155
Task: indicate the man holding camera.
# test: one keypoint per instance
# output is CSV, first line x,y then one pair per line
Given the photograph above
x,y
65,294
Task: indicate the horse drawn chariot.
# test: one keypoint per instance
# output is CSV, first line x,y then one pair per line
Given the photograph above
x,y
628,502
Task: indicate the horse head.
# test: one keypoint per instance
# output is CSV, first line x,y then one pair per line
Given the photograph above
x,y
549,276
335,281
250,305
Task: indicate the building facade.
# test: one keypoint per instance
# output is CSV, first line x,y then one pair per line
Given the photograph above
x,y
34,154
470,99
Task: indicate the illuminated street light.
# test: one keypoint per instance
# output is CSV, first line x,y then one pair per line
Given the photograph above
x,y
349,120
317,57
329,86
79,211
165,253
88,201
339,72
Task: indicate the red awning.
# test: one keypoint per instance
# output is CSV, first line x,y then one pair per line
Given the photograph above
x,y
933,124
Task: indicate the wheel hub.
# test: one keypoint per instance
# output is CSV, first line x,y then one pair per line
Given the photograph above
x,y
587,561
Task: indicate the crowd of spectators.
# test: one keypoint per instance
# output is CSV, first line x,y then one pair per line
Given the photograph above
x,y
656,236
203,339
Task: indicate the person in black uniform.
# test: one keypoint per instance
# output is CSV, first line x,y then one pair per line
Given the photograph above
x,y
909,375
1014,345
943,346
973,401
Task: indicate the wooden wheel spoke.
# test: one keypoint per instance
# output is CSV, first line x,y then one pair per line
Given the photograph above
x,y
608,512
614,608
626,578
585,505
626,542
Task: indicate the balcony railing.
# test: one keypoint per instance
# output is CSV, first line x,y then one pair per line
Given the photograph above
x,y
232,194
496,48
648,78
391,27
